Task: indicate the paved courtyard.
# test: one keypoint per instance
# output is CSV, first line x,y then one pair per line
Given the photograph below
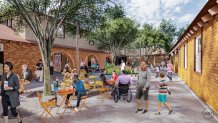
x,y
187,109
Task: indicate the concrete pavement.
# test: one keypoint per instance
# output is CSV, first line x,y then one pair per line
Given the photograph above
x,y
187,109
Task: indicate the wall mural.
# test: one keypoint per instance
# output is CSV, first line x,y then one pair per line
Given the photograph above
x,y
57,62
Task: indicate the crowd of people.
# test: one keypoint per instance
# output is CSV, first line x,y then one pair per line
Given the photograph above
x,y
10,85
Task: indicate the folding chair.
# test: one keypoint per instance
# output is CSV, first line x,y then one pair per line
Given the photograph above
x,y
47,106
103,90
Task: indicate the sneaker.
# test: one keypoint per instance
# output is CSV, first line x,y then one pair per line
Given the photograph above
x,y
170,111
145,111
138,110
76,109
157,113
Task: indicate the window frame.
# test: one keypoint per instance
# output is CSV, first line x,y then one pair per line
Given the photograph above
x,y
195,53
186,56
11,22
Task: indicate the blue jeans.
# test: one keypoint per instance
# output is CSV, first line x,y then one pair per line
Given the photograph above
x,y
79,96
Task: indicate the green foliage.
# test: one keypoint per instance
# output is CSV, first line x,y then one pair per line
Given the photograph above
x,y
45,17
110,70
114,12
114,35
169,30
108,65
181,31
128,71
152,38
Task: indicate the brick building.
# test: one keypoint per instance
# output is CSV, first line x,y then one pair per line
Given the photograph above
x,y
21,48
195,55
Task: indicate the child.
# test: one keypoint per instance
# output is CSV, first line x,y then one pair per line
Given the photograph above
x,y
113,78
55,87
162,95
157,71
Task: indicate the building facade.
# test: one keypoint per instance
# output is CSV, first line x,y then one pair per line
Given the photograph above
x,y
22,48
195,55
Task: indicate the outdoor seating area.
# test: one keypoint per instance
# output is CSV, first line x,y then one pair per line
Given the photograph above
x,y
108,61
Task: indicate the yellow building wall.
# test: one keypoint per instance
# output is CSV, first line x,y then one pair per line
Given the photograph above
x,y
204,84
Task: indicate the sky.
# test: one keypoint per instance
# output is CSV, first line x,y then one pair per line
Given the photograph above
x,y
181,12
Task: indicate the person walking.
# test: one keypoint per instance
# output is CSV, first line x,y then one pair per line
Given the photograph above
x,y
157,70
51,67
143,86
9,92
169,70
39,71
122,66
82,65
162,94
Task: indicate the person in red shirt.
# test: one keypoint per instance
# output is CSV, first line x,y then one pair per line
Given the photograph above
x,y
114,76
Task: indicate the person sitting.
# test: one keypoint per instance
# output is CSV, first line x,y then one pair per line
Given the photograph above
x,y
113,78
55,87
26,73
86,80
103,78
67,75
80,91
73,73
123,82
26,77
97,69
64,71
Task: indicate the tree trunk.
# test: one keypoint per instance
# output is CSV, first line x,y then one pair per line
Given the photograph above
x,y
47,77
113,58
77,48
46,58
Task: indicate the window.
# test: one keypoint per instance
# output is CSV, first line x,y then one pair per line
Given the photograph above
x,y
91,42
179,58
9,22
198,51
60,32
186,56
1,48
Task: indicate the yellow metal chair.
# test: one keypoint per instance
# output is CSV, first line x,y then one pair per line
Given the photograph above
x,y
22,83
48,106
102,89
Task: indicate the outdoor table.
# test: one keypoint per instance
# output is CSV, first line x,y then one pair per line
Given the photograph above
x,y
63,93
94,79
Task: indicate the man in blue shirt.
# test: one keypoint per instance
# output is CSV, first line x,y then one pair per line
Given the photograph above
x,y
80,91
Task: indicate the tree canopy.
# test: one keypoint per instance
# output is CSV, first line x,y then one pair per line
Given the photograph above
x,y
115,35
45,17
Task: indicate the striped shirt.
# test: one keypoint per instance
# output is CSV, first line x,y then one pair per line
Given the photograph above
x,y
163,87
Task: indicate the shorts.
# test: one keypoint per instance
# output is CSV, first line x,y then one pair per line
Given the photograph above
x,y
162,98
140,93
